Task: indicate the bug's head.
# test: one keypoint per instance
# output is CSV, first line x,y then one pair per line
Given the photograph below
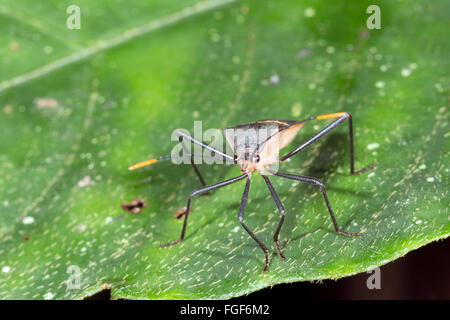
x,y
247,161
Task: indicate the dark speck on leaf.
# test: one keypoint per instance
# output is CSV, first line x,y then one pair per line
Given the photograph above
x,y
180,212
135,206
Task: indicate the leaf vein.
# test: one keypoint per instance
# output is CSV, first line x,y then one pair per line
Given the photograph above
x,y
123,37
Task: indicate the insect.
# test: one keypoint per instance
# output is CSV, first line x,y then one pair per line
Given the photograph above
x,y
257,152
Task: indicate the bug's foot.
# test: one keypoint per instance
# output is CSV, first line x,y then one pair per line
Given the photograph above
x,y
349,234
170,243
372,166
279,251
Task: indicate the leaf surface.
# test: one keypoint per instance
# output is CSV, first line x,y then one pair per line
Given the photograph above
x,y
79,106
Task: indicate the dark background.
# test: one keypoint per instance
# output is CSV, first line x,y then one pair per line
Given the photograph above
x,y
421,274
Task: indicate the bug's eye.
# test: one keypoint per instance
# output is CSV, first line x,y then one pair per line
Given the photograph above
x,y
257,158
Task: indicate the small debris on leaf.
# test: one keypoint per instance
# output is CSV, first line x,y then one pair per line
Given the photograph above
x,y
180,212
14,46
84,182
81,228
46,103
135,206
7,109
274,79
303,53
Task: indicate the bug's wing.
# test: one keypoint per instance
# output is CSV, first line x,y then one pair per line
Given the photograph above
x,y
286,132
266,137
250,136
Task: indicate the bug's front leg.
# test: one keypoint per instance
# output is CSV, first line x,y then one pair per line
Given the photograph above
x,y
196,193
197,172
241,221
282,212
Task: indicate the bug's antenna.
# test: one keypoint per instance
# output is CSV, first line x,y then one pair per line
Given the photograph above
x,y
147,162
151,161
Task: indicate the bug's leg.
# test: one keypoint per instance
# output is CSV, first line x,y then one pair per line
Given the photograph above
x,y
196,193
322,187
241,221
342,116
282,212
199,175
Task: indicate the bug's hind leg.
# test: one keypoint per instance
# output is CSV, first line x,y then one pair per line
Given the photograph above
x,y
196,193
282,212
322,187
241,221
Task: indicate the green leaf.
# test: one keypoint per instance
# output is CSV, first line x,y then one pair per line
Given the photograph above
x,y
79,106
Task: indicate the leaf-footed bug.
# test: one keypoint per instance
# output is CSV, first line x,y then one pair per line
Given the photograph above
x,y
254,151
